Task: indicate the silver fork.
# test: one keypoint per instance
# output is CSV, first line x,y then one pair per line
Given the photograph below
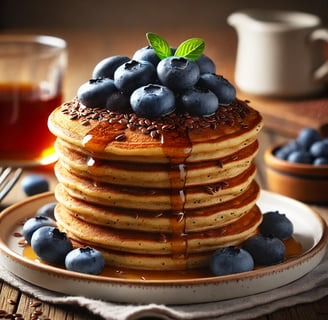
x,y
8,178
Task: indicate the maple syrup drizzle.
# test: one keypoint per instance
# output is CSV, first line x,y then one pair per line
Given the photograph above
x,y
104,133
177,147
100,136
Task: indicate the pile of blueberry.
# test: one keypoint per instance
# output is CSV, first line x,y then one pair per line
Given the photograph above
x,y
157,81
307,148
264,249
54,247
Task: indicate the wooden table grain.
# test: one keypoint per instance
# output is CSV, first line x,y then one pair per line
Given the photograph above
x,y
15,304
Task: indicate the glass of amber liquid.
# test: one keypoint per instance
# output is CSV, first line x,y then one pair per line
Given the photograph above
x,y
31,78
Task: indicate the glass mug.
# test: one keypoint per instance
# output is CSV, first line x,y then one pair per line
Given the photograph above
x,y
31,77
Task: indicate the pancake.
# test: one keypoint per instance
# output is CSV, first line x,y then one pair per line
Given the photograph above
x,y
160,247
152,220
181,138
159,194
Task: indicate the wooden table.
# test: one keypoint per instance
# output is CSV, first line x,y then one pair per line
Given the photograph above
x,y
86,48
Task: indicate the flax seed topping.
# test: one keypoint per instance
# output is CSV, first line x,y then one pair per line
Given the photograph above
x,y
224,116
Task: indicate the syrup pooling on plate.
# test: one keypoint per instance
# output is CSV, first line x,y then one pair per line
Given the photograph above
x,y
293,249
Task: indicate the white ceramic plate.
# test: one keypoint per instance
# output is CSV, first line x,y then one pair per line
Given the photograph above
x,y
309,228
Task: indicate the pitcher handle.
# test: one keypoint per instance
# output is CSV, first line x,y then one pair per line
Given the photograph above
x,y
320,34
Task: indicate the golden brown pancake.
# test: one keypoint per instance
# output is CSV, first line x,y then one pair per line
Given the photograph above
x,y
156,245
158,194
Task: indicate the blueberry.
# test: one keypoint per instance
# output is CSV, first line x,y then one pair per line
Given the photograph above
x,y
277,225
320,161
147,54
51,245
231,260
118,102
300,156
47,210
319,149
134,74
34,184
205,64
95,92
32,224
199,102
284,151
152,101
265,250
85,260
106,67
178,73
223,89
307,137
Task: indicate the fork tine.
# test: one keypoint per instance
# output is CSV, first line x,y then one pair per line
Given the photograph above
x,y
5,172
7,184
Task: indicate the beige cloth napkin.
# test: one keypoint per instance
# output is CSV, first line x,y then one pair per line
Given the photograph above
x,y
310,287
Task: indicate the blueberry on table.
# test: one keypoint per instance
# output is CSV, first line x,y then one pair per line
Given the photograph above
x,y
223,89
106,67
134,74
147,54
85,260
47,210
265,250
231,260
95,92
34,184
51,245
33,224
307,137
199,102
205,64
152,101
277,225
178,73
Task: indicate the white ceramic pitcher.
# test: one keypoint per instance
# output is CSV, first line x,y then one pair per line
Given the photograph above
x,y
279,53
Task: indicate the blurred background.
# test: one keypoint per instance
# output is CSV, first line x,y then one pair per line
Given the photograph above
x,y
142,13
95,29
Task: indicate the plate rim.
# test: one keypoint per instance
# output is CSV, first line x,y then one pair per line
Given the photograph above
x,y
258,273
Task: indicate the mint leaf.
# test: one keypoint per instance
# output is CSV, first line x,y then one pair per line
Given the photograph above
x,y
191,49
160,46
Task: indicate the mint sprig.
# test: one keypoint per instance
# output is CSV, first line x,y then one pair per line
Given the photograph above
x,y
160,46
191,48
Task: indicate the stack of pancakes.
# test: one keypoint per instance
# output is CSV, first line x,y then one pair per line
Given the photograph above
x,y
156,194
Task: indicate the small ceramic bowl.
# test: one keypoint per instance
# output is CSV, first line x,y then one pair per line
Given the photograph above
x,y
304,182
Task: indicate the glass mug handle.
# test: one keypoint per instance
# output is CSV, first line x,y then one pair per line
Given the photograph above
x,y
320,34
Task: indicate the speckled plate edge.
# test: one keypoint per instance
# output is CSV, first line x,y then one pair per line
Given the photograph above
x,y
310,229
